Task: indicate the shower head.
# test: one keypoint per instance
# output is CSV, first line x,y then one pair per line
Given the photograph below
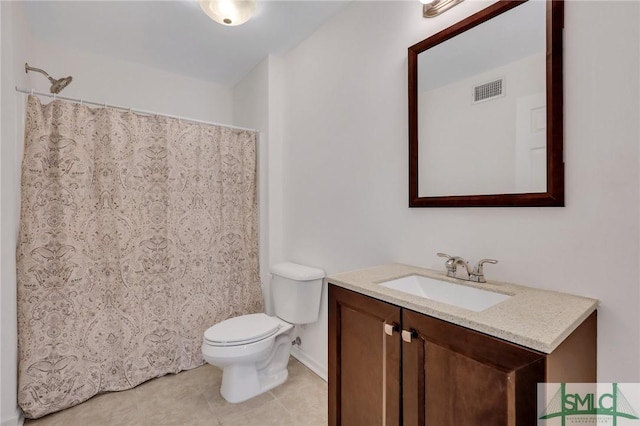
x,y
56,85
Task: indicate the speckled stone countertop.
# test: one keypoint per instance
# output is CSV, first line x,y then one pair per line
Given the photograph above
x,y
537,319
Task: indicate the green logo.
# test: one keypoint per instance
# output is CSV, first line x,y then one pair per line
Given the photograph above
x,y
565,404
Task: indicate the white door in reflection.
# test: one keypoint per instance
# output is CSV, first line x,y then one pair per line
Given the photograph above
x,y
531,144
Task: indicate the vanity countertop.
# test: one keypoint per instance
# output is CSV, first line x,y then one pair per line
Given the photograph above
x,y
537,319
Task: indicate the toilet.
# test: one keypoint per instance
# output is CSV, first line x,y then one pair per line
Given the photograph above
x,y
253,350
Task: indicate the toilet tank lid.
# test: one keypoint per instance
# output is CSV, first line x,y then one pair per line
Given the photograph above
x,y
296,272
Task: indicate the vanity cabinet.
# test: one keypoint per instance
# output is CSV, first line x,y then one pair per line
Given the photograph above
x,y
392,366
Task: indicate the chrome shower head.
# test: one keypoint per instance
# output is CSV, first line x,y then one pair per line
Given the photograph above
x,y
56,85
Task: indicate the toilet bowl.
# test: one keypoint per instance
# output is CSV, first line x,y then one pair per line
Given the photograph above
x,y
253,350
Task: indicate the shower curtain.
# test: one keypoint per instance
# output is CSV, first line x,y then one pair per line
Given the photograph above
x,y
136,234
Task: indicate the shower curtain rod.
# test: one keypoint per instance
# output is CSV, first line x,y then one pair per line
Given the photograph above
x,y
139,111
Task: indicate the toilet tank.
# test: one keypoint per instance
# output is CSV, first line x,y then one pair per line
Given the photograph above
x,y
296,291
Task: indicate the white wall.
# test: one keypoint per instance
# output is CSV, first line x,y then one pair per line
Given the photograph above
x,y
257,103
104,79
345,168
251,110
253,103
15,40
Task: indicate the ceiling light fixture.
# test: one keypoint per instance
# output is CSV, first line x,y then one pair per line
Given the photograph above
x,y
229,12
433,8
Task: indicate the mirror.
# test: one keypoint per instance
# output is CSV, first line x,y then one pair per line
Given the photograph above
x,y
485,110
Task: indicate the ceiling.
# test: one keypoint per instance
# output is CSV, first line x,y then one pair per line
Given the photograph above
x,y
177,36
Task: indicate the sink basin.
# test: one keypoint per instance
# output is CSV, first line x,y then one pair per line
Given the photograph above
x,y
461,296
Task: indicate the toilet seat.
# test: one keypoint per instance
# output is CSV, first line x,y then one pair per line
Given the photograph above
x,y
242,330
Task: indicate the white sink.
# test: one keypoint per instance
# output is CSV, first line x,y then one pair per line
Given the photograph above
x,y
461,296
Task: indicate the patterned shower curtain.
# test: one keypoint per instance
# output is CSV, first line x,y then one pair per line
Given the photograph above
x,y
137,233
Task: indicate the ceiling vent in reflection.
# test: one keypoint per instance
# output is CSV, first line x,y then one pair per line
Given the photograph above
x,y
487,91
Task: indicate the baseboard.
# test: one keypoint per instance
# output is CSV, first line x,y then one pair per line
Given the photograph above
x,y
310,363
17,420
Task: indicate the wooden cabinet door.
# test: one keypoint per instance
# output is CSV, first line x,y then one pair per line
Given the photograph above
x,y
453,376
364,360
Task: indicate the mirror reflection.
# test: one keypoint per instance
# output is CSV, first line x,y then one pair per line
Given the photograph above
x,y
482,108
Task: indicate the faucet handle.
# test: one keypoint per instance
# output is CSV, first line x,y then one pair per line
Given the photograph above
x,y
450,264
478,272
483,261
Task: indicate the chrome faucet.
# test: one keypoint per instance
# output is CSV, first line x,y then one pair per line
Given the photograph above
x,y
475,275
452,264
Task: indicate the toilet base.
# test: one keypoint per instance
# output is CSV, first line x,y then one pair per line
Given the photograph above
x,y
243,381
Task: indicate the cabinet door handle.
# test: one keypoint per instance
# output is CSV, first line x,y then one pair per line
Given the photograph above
x,y
390,328
408,335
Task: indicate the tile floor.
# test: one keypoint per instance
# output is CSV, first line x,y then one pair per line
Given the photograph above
x,y
192,398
